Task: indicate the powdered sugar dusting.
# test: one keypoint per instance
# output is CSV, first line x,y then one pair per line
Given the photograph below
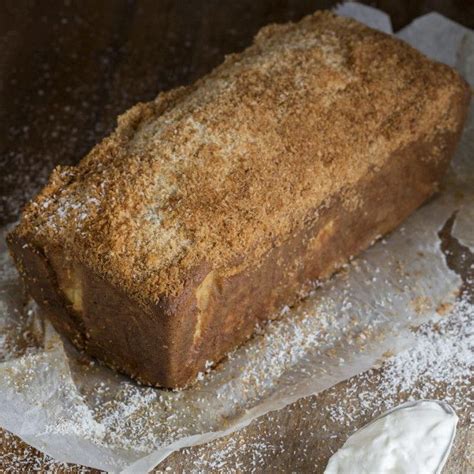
x,y
441,362
17,457
444,353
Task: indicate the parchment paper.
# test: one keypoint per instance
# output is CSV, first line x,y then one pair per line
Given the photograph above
x,y
77,411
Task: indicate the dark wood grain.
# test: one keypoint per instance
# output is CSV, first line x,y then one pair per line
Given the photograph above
x,y
67,68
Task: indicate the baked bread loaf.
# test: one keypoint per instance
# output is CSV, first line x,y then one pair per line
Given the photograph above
x,y
214,205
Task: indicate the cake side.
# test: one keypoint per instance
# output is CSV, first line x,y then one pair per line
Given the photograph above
x,y
222,171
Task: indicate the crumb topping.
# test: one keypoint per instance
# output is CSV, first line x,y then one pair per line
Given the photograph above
x,y
219,172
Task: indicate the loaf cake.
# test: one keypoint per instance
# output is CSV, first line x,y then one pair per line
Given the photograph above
x,y
212,206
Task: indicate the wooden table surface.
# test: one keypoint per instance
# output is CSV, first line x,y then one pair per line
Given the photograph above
x,y
67,69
